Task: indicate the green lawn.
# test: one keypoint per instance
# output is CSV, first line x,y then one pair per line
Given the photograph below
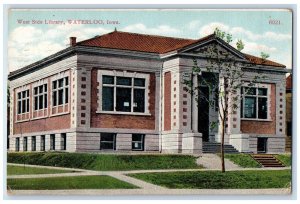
x,y
286,159
243,160
22,170
74,182
105,162
218,180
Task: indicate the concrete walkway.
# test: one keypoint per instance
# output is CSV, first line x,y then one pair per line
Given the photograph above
x,y
149,192
212,161
145,187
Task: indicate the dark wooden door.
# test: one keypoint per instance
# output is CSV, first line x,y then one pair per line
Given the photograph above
x,y
203,113
261,145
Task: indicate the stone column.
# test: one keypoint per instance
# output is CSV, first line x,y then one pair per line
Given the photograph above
x,y
123,142
47,142
38,143
29,148
194,110
58,142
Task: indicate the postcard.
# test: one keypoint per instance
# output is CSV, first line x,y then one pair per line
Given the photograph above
x,y
149,102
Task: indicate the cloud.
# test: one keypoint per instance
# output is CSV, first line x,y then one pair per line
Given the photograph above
x,y
28,44
25,34
159,30
252,47
194,24
209,29
267,35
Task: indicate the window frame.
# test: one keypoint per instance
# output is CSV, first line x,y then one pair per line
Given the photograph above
x,y
43,143
114,141
63,141
256,96
55,91
132,87
17,144
33,143
52,142
142,141
44,95
25,144
21,99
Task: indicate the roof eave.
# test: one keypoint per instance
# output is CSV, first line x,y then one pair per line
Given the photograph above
x,y
55,56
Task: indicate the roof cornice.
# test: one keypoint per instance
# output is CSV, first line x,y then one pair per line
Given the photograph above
x,y
82,50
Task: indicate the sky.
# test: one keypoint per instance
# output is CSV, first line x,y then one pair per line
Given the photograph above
x,y
31,39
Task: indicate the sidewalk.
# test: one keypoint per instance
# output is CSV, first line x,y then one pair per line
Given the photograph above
x,y
145,187
148,192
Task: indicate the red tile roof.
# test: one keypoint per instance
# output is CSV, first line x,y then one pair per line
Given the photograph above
x,y
260,61
153,44
137,42
289,82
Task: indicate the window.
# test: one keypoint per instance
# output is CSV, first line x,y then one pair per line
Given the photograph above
x,y
254,103
138,142
43,142
52,142
108,141
123,94
25,144
17,144
33,143
60,91
23,102
40,97
63,141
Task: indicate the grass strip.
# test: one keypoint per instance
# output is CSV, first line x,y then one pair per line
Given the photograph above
x,y
243,160
75,182
255,179
105,162
24,170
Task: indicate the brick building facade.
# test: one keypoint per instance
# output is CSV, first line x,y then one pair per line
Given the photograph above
x,y
123,92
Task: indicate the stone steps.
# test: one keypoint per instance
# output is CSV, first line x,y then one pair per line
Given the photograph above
x,y
267,160
215,147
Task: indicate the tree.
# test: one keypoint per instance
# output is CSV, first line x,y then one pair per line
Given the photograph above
x,y
222,75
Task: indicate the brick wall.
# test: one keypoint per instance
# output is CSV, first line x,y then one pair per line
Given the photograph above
x,y
45,124
100,120
167,101
263,127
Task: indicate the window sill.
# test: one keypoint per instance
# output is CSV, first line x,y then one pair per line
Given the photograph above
x,y
38,118
59,114
21,121
124,113
256,119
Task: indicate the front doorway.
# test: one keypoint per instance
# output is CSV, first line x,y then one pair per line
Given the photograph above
x,y
203,113
262,145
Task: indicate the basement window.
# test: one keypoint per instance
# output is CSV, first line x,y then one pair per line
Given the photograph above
x,y
63,141
52,142
108,141
17,144
33,143
43,142
138,142
25,144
